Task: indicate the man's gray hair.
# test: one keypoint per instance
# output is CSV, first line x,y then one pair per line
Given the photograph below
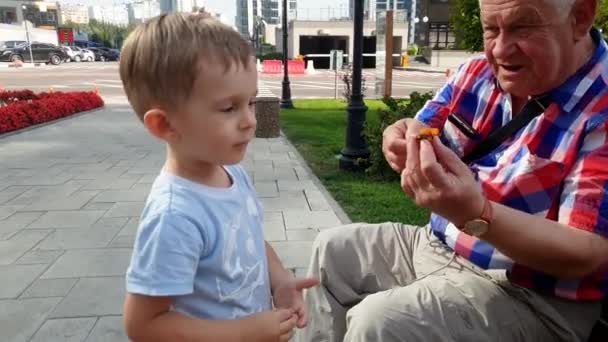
x,y
564,6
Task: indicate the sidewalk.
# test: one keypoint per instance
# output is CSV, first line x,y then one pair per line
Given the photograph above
x,y
70,197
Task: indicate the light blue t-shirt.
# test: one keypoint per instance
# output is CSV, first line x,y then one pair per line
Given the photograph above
x,y
202,246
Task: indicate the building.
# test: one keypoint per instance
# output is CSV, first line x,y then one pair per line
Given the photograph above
x,y
168,6
141,11
370,7
315,40
436,32
262,12
74,14
40,14
117,14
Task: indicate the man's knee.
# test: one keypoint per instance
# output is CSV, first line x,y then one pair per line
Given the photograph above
x,y
375,319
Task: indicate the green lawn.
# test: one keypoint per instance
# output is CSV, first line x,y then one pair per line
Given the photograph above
x,y
317,129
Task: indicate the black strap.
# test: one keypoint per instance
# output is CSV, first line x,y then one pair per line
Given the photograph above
x,y
532,109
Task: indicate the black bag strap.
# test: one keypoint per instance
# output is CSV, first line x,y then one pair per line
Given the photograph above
x,y
532,109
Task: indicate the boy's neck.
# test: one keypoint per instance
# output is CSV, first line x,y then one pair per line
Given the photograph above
x,y
197,171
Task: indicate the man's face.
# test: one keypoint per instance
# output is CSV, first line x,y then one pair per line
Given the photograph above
x,y
529,44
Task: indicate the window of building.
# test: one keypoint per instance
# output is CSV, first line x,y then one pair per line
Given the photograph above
x,y
8,15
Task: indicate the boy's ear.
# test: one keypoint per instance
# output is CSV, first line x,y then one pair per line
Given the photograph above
x,y
158,124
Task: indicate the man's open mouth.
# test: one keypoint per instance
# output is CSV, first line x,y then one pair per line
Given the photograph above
x,y
512,68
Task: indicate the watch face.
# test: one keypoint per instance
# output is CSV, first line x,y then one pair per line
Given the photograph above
x,y
476,227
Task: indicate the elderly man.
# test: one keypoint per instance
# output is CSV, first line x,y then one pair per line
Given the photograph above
x,y
517,246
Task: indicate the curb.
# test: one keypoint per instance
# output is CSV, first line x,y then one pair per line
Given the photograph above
x,y
316,181
48,123
421,69
24,65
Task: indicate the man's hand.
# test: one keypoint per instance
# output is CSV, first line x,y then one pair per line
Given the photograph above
x,y
394,144
436,179
288,294
272,326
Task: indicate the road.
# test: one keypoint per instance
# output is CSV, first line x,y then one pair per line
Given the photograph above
x,y
104,77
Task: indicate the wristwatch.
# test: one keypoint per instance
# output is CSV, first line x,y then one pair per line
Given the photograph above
x,y
479,226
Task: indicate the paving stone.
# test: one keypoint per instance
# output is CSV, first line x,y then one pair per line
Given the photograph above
x,y
266,189
286,201
290,185
107,184
98,206
126,209
90,263
142,188
300,272
286,163
130,228
68,219
108,329
275,148
317,200
11,250
303,219
84,298
12,192
126,241
16,222
274,228
49,288
293,254
148,178
19,319
111,222
45,180
81,238
8,210
263,169
73,202
293,155
65,330
16,278
302,234
37,256
121,196
302,173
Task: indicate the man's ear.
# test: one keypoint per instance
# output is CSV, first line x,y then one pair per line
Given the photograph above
x,y
158,124
583,14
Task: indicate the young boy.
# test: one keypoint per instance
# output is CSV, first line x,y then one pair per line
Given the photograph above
x,y
201,270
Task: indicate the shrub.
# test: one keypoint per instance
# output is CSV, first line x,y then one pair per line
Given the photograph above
x,y
44,107
347,78
397,109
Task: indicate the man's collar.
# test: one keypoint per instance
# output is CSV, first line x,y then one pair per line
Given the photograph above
x,y
570,93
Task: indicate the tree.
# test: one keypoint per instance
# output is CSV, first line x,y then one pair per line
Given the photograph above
x,y
466,24
601,20
104,33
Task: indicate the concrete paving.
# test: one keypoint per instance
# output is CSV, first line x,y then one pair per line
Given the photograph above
x,y
71,194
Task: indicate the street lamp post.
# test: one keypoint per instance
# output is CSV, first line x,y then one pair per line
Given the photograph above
x,y
286,90
356,146
27,37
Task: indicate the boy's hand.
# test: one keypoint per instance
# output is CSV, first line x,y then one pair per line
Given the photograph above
x,y
272,326
288,294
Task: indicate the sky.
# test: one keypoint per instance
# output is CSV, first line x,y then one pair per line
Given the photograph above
x,y
226,7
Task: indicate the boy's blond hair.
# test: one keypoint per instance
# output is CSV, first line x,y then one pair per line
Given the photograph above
x,y
162,58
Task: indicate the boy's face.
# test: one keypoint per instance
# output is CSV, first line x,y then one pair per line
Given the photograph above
x,y
218,121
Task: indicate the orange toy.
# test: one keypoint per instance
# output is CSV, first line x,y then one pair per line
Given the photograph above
x,y
427,134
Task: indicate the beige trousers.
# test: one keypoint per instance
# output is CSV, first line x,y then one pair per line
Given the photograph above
x,y
389,282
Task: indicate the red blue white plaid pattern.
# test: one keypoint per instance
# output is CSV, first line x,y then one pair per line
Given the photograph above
x,y
556,167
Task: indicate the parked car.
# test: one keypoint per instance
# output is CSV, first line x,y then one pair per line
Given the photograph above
x,y
104,55
41,52
114,54
87,55
74,54
9,44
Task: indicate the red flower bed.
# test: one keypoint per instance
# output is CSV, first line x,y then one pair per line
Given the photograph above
x,y
25,108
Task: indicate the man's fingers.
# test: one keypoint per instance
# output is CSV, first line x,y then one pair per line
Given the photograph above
x,y
306,283
302,318
396,162
406,184
287,336
289,324
412,156
449,159
285,314
432,171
